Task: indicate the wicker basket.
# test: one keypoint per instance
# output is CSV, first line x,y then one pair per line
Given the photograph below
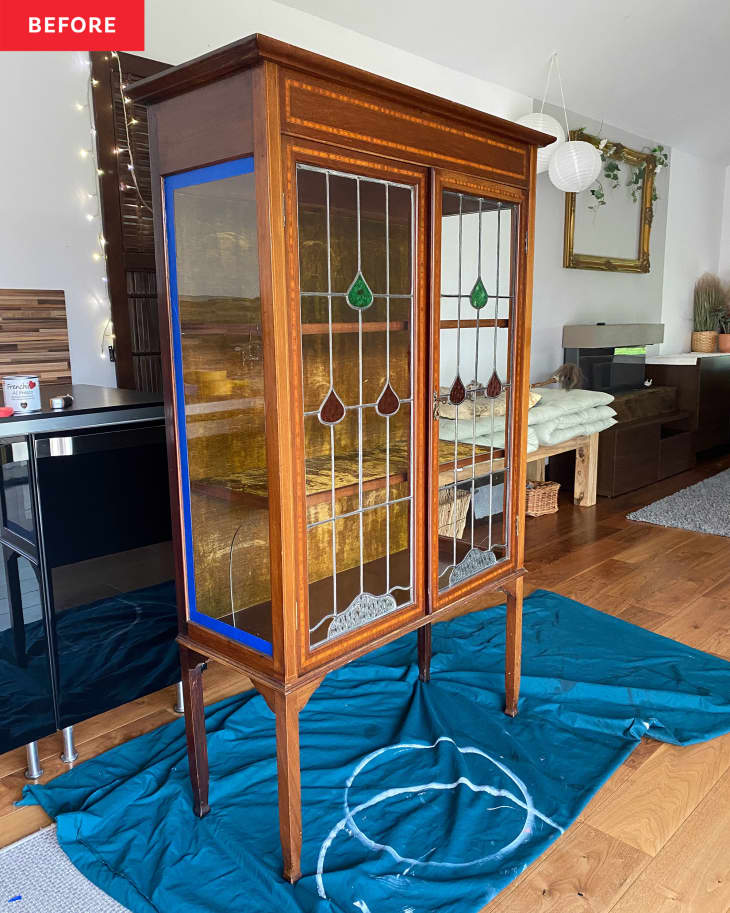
x,y
542,498
452,516
705,341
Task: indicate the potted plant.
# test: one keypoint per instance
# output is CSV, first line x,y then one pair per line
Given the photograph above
x,y
723,340
709,306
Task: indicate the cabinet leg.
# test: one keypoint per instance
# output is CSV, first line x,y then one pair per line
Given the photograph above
x,y
424,653
513,657
193,665
286,707
69,749
290,789
34,770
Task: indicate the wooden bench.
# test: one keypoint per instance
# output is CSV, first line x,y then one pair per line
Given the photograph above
x,y
586,466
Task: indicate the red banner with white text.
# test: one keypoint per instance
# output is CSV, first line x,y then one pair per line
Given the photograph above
x,y
71,25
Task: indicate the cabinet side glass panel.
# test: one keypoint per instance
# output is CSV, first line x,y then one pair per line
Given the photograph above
x,y
475,385
356,283
219,379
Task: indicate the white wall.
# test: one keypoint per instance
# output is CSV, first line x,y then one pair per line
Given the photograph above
x,y
694,225
565,296
724,265
174,38
45,240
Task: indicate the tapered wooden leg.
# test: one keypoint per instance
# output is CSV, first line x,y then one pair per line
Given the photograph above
x,y
290,788
424,653
286,707
192,665
513,657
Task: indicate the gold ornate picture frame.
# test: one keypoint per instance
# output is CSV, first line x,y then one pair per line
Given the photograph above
x,y
638,264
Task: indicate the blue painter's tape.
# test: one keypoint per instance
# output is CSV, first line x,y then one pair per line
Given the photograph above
x,y
171,184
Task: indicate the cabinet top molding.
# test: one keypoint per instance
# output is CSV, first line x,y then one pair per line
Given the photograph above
x,y
255,49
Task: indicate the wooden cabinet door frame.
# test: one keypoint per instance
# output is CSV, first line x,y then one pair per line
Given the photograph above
x,y
346,161
519,382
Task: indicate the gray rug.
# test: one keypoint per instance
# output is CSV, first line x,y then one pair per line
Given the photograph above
x,y
36,876
704,507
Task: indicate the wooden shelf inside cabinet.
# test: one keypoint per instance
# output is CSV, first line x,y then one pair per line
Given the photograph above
x,y
501,322
322,329
220,329
251,486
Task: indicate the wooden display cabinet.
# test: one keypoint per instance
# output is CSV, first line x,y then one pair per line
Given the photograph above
x,y
345,266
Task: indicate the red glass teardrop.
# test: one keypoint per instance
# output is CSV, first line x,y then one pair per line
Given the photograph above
x,y
494,387
388,404
332,410
457,393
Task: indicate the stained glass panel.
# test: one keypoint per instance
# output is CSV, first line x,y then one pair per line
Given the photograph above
x,y
476,306
357,322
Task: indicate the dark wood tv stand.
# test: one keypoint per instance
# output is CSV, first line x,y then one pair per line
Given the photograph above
x,y
703,389
641,451
651,440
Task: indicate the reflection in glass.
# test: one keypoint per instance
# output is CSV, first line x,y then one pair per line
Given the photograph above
x,y
15,489
477,295
26,702
355,254
220,379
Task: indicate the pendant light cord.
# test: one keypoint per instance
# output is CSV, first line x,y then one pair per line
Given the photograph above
x,y
547,80
555,63
562,95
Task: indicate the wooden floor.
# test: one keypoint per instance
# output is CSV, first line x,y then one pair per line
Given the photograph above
x,y
657,836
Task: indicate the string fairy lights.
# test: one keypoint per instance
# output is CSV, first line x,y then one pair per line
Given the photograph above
x,y
129,121
90,153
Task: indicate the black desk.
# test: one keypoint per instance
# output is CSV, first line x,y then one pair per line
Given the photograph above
x,y
90,617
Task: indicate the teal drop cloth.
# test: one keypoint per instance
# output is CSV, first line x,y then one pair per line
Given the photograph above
x,y
417,797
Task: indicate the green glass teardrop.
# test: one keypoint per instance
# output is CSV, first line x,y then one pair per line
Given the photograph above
x,y
359,295
478,296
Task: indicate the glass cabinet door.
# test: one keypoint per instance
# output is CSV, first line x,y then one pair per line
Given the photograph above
x,y
472,405
211,223
356,282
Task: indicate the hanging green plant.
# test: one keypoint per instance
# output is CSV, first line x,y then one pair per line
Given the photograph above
x,y
611,172
635,182
613,155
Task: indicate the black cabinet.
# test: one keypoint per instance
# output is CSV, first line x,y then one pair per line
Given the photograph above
x,y
89,577
703,389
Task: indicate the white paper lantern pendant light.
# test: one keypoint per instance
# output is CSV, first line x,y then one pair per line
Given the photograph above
x,y
573,165
545,124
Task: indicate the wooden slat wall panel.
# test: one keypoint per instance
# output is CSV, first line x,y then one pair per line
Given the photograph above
x,y
137,226
127,220
34,334
145,329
